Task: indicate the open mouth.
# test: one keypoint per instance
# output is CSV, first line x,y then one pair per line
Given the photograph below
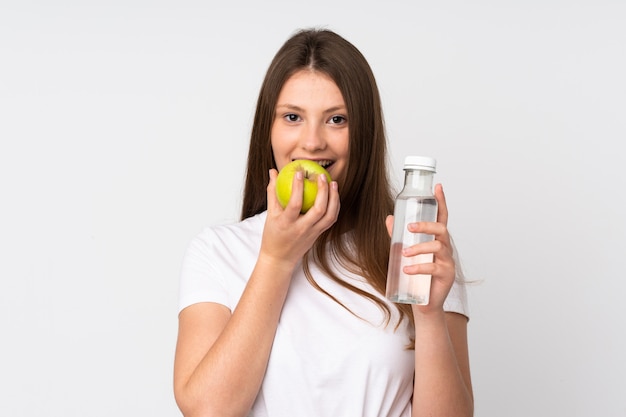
x,y
324,163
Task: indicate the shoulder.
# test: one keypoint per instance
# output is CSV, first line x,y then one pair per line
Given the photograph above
x,y
219,261
245,233
218,249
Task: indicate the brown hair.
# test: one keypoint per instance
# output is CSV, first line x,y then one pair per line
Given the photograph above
x,y
366,195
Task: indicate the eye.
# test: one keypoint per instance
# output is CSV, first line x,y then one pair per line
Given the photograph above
x,y
291,117
338,120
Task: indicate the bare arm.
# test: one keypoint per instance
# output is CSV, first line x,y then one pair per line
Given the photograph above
x,y
442,375
221,357
442,384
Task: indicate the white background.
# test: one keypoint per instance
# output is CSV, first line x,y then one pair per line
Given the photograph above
x,y
124,130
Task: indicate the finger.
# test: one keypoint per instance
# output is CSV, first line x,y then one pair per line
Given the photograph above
x,y
331,207
272,199
297,188
422,268
430,228
334,201
433,269
321,198
442,210
434,247
389,224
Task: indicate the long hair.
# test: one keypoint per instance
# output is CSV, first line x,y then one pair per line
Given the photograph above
x,y
366,195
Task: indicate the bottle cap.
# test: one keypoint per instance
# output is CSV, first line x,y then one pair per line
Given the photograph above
x,y
420,162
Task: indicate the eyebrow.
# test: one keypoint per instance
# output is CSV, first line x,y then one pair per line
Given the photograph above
x,y
300,109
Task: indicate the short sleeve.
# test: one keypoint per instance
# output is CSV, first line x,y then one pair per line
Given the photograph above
x,y
200,281
456,302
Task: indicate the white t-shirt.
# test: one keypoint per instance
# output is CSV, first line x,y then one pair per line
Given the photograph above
x,y
325,361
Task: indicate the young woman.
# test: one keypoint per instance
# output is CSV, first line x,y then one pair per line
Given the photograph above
x,y
282,313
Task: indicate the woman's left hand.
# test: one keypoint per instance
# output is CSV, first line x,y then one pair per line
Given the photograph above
x,y
442,268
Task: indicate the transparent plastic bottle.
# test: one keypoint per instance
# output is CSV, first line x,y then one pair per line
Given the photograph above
x,y
415,203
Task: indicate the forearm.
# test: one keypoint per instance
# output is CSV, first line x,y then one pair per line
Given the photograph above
x,y
440,388
228,378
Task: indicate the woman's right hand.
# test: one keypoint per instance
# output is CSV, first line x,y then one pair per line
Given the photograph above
x,y
288,234
222,355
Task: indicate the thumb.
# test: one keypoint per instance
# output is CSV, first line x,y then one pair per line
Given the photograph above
x,y
389,224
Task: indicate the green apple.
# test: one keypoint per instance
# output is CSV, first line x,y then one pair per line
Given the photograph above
x,y
284,181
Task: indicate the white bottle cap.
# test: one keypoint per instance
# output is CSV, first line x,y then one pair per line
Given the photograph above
x,y
420,162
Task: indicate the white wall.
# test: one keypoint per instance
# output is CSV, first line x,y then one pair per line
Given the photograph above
x,y
124,128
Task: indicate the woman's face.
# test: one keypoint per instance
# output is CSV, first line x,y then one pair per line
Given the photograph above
x,y
311,122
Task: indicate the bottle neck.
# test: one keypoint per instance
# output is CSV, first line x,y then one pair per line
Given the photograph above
x,y
418,182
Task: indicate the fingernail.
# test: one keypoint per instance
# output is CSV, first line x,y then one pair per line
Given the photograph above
x,y
299,175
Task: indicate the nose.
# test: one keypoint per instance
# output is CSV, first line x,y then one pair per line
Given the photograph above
x,y
312,138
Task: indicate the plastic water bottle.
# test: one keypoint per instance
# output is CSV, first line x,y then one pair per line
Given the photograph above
x,y
415,203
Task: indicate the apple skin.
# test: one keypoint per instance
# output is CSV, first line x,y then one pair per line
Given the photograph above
x,y
284,182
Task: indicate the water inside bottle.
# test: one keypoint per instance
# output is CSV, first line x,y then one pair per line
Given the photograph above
x,y
401,287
